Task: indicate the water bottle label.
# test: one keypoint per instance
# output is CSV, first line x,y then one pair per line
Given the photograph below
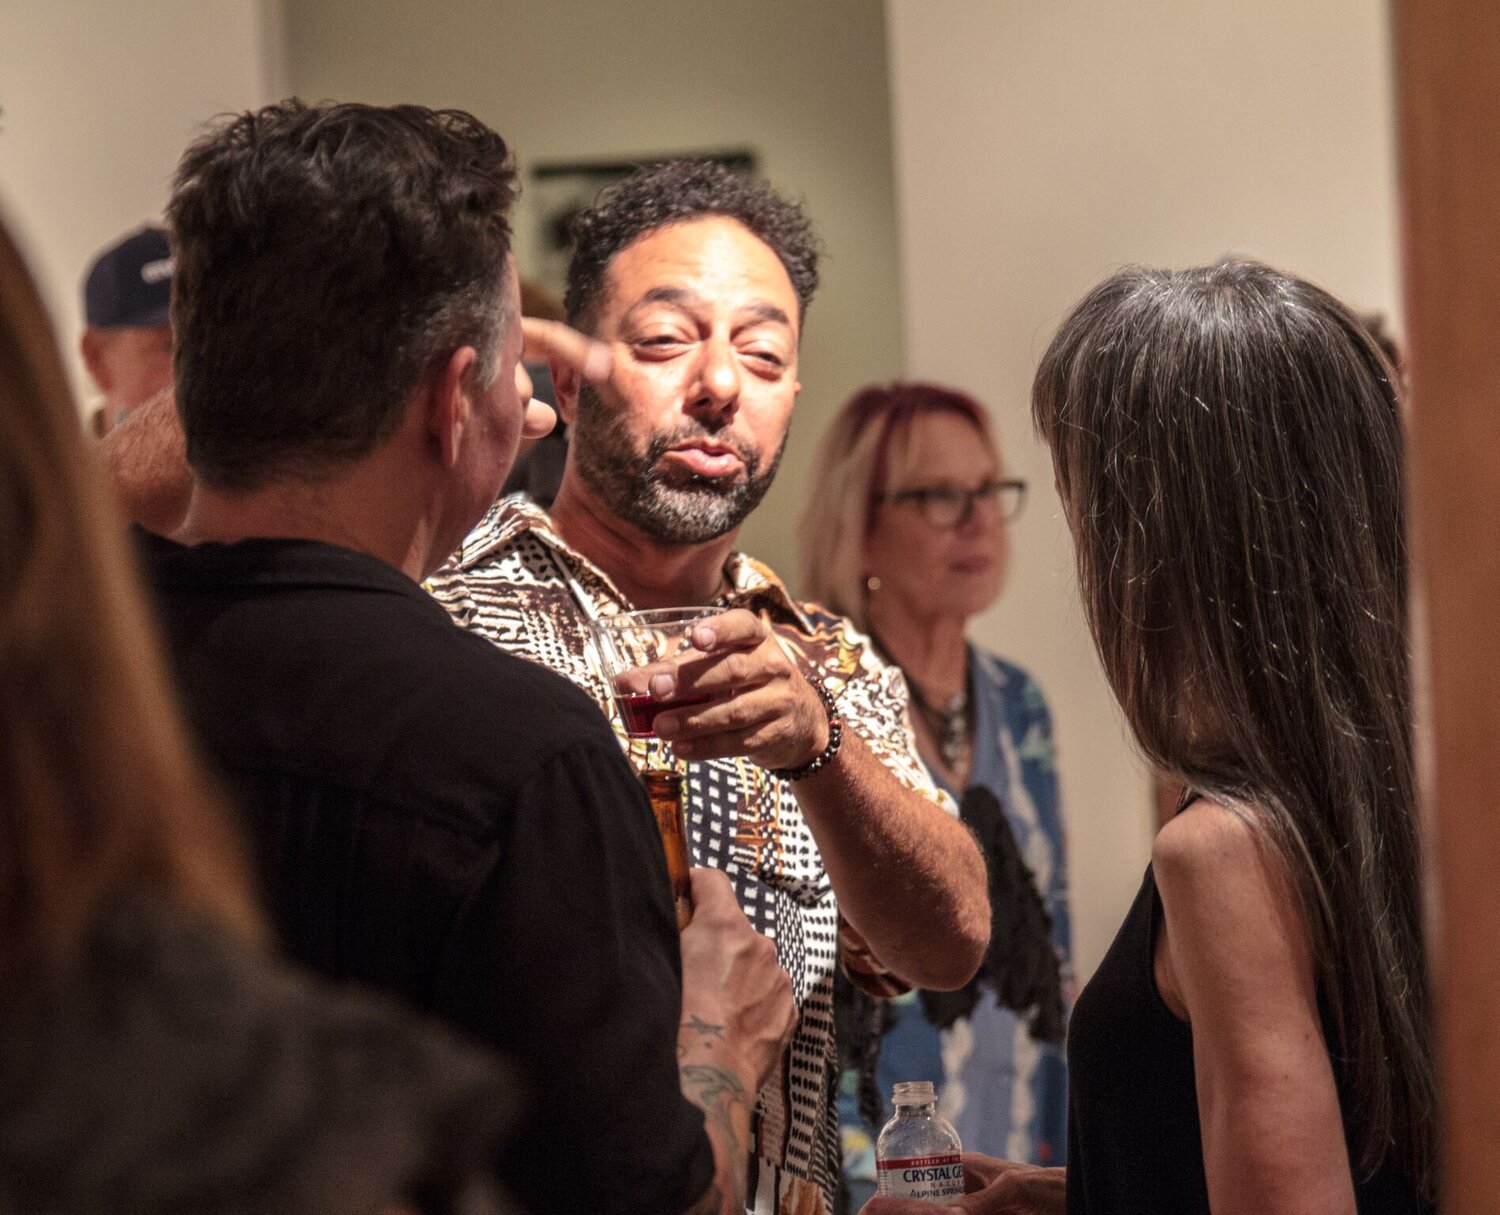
x,y
928,1177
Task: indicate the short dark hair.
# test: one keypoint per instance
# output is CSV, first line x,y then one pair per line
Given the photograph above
x,y
326,256
678,191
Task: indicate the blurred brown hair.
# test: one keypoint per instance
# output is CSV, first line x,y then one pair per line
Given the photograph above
x,y
100,795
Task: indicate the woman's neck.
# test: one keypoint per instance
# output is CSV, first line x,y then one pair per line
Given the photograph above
x,y
931,651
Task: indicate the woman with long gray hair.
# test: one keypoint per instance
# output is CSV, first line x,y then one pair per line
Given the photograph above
x,y
1227,445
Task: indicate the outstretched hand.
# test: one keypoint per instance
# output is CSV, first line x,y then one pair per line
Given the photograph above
x,y
995,1187
749,697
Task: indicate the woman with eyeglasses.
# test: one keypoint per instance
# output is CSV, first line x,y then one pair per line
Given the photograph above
x,y
907,534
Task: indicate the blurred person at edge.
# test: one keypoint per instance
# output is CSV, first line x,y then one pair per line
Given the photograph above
x,y
153,1056
127,336
433,816
1257,1040
906,533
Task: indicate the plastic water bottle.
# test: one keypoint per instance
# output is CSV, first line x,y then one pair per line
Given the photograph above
x,y
918,1154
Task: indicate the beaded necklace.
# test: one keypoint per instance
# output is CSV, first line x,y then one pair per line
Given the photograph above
x,y
948,723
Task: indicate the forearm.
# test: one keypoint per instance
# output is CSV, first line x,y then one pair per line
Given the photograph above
x,y
909,877
726,1103
145,460
737,1016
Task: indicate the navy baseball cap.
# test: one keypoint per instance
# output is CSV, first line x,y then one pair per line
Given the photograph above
x,y
130,283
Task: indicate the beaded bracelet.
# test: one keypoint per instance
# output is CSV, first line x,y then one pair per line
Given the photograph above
x,y
835,738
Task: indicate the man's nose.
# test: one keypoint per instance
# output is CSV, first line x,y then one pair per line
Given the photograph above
x,y
717,389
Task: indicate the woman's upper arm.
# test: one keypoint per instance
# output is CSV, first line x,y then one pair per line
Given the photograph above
x,y
1240,961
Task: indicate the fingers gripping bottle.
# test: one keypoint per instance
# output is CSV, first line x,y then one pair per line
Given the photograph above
x,y
918,1152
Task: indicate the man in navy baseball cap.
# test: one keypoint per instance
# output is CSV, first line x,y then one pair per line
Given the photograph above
x,y
127,344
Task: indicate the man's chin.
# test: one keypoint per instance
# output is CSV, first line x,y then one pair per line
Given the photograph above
x,y
692,514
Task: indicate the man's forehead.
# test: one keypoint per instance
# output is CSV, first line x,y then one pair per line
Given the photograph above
x,y
713,259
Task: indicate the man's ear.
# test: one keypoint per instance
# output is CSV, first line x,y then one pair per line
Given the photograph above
x,y
565,382
92,346
448,406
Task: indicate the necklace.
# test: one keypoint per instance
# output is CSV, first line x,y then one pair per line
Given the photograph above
x,y
948,723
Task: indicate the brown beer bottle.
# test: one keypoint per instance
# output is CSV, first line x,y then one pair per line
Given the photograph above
x,y
664,788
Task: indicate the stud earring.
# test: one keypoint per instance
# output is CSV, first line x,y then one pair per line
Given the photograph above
x,y
872,584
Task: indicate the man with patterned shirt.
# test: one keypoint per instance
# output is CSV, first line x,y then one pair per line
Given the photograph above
x,y
802,779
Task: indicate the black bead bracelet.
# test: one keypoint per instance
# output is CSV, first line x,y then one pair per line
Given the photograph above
x,y
835,737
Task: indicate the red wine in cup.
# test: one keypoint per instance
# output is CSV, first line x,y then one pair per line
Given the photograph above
x,y
639,710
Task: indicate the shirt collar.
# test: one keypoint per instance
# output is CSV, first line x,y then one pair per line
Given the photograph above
x,y
271,563
752,583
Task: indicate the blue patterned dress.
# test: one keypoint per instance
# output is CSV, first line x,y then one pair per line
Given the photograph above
x,y
1005,1093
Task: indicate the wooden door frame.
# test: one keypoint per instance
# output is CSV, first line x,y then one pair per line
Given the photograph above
x,y
1448,77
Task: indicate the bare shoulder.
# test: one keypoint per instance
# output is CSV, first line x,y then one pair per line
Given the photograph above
x,y
1233,920
1209,844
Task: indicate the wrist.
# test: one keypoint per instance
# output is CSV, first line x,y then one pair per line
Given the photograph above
x,y
833,733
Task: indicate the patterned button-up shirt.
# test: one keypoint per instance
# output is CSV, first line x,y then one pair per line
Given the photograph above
x,y
516,582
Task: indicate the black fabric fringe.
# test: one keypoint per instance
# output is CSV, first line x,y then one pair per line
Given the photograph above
x,y
1020,967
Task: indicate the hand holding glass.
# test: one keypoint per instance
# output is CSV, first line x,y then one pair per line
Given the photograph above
x,y
631,640
626,643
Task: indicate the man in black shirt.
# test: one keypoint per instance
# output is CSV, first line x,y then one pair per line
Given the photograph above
x,y
432,816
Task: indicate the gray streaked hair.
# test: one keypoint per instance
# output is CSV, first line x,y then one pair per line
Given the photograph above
x,y
1228,445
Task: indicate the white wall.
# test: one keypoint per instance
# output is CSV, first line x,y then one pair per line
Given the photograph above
x,y
803,85
97,100
1040,146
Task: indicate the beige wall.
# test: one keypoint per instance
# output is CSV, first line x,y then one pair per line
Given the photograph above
x,y
1038,147
97,101
803,85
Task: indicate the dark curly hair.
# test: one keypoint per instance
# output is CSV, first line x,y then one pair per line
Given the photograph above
x,y
677,191
326,256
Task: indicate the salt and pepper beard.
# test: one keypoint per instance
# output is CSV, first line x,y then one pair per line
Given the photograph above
x,y
633,485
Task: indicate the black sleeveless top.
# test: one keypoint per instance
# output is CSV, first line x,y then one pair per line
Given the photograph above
x,y
1134,1143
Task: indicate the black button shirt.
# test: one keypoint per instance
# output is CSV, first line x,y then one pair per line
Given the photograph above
x,y
456,825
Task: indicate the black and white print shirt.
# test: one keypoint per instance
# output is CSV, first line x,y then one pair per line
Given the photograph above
x,y
517,583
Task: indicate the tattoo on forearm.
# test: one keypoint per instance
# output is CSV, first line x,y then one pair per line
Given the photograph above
x,y
717,1092
706,1032
703,1028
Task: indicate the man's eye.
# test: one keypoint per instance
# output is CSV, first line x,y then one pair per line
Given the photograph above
x,y
946,497
768,357
661,343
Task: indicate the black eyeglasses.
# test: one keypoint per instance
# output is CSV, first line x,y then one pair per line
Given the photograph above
x,y
948,506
